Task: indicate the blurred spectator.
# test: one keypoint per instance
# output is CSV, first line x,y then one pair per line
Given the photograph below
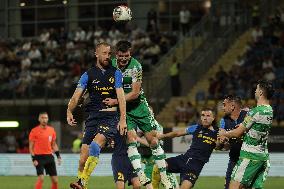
x,y
175,80
269,75
240,61
152,21
40,67
190,112
3,148
11,142
114,33
44,36
255,15
152,52
180,113
23,143
256,34
184,19
26,63
34,54
80,35
77,143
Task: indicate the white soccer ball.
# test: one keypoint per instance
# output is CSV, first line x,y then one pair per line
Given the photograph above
x,y
122,13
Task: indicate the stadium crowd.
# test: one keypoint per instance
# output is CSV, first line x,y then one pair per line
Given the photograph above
x,y
263,58
50,64
14,142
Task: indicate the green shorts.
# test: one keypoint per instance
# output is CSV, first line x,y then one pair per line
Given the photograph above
x,y
140,117
251,173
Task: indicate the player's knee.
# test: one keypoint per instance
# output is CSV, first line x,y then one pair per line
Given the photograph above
x,y
186,184
95,149
40,178
119,185
54,179
131,136
154,143
136,184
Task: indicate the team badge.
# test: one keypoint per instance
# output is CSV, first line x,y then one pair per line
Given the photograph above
x,y
111,79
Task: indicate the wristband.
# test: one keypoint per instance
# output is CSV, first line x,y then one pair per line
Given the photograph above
x,y
33,157
57,154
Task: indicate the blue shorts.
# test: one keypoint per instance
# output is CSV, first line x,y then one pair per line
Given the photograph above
x,y
189,168
122,169
104,123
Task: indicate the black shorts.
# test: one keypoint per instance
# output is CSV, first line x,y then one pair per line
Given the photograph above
x,y
47,163
189,168
103,123
122,169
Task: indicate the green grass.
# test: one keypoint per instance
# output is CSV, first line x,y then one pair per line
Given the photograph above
x,y
27,182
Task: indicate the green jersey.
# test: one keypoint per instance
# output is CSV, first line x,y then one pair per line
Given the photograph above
x,y
131,73
137,111
258,123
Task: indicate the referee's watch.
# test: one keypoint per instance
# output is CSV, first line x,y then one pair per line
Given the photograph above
x,y
33,157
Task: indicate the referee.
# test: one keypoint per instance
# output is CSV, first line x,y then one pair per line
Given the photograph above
x,y
41,145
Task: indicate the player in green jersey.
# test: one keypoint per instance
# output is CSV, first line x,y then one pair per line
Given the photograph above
x,y
253,165
152,171
138,112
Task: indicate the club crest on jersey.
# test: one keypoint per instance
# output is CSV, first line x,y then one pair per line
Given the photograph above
x,y
111,79
49,138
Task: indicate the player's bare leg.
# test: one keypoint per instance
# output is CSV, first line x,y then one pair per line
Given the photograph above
x,y
54,182
236,185
92,161
135,183
120,185
84,153
186,184
39,182
83,158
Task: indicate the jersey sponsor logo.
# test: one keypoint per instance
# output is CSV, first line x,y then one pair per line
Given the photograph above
x,y
103,90
207,139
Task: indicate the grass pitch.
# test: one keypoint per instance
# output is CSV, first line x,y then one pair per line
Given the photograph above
x,y
27,182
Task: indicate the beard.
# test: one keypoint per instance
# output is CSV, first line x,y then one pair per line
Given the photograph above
x,y
227,113
104,63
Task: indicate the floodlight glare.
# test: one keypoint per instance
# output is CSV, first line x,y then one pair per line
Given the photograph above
x,y
9,124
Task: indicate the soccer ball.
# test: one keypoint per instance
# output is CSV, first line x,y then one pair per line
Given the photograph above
x,y
122,13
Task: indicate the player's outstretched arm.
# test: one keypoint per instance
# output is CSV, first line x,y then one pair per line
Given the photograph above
x,y
235,133
173,134
73,102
